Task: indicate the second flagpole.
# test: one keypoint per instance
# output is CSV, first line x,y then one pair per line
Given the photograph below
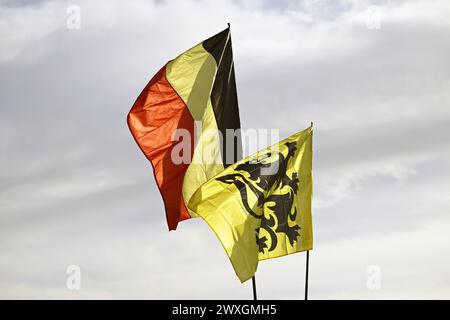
x,y
254,288
306,275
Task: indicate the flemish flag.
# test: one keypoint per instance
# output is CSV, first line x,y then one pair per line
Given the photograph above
x,y
260,207
178,118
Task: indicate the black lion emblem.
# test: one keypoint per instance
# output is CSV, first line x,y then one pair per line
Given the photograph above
x,y
261,179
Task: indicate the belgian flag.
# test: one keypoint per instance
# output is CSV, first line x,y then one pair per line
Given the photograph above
x,y
195,94
260,207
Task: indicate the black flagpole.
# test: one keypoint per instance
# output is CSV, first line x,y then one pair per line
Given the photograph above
x,y
254,288
307,272
253,278
307,266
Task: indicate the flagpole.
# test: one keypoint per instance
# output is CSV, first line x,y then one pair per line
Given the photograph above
x,y
307,265
307,274
239,157
254,288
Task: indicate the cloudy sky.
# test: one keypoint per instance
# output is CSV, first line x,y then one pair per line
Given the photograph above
x,y
374,76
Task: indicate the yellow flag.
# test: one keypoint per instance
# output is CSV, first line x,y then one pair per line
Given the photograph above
x,y
260,207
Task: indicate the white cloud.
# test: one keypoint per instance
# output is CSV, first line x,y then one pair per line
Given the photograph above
x,y
23,27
